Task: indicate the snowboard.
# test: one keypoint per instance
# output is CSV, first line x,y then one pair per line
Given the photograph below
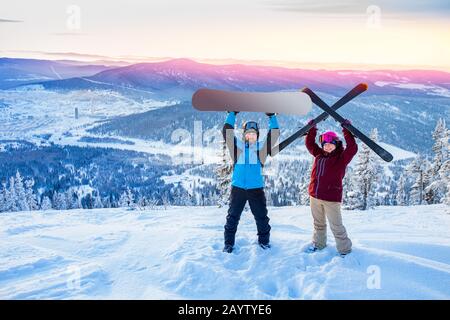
x,y
296,103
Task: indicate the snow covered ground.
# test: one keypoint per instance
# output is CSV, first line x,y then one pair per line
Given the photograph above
x,y
399,253
428,89
32,111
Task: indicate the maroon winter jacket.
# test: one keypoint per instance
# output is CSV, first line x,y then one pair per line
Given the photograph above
x,y
329,169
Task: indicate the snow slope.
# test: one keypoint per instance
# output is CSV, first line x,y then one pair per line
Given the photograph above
x,y
176,253
30,112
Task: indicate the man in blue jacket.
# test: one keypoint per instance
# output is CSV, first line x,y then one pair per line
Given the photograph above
x,y
249,157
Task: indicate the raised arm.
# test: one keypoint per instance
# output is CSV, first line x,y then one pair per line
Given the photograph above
x,y
271,139
310,142
228,135
351,147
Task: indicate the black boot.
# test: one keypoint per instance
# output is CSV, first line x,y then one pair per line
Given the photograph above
x,y
265,245
228,248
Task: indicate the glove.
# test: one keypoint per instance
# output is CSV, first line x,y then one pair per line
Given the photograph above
x,y
346,122
269,114
311,123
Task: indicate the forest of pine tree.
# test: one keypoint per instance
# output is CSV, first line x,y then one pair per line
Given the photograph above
x,y
424,179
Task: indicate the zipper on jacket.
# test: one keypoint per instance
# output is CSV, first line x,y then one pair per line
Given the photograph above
x,y
246,160
319,172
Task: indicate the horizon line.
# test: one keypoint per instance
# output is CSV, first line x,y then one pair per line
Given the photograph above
x,y
129,60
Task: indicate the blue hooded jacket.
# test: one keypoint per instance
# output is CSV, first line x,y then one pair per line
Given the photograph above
x,y
249,158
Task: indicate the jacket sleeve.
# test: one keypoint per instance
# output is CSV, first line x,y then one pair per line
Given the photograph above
x,y
351,146
311,144
229,137
271,139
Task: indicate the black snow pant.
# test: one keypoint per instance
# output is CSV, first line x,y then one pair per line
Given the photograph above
x,y
257,201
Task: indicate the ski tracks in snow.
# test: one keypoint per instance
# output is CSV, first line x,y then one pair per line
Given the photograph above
x,y
177,253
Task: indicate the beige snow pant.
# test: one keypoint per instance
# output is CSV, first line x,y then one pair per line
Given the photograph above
x,y
321,210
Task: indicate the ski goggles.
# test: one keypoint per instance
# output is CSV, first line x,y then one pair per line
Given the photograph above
x,y
324,138
332,142
251,125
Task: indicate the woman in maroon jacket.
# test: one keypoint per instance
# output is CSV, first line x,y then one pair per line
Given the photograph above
x,y
325,188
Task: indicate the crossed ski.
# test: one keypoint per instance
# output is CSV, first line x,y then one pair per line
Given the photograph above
x,y
331,111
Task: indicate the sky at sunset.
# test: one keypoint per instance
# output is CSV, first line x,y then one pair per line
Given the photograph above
x,y
397,34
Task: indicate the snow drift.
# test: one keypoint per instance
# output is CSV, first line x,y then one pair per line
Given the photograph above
x,y
399,253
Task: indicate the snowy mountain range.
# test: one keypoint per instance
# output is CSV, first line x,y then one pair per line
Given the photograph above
x,y
399,103
14,72
94,119
183,76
